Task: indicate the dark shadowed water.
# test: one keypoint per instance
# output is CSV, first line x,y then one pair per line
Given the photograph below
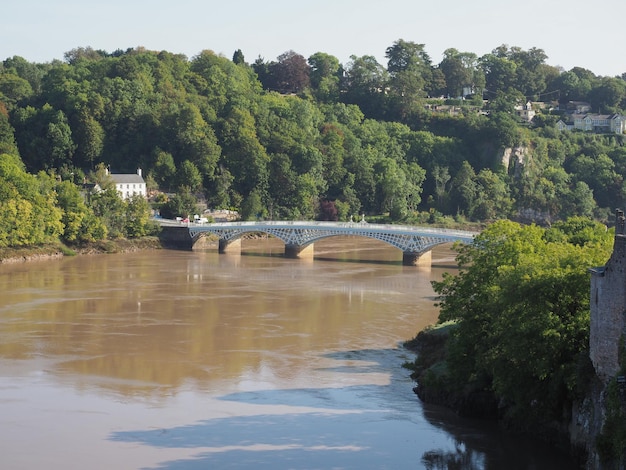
x,y
194,360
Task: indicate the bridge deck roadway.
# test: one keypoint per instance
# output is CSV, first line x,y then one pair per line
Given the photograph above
x,y
299,236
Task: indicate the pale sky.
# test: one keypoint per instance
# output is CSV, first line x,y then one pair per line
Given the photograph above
x,y
572,33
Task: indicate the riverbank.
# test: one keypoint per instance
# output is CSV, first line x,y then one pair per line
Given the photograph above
x,y
60,250
435,385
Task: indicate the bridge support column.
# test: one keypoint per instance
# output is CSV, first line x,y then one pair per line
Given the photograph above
x,y
417,259
298,251
230,246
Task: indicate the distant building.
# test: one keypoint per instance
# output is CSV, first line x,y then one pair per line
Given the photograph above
x,y
525,112
590,122
128,185
579,107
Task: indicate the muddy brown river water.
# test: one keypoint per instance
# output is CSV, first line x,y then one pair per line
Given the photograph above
x,y
195,360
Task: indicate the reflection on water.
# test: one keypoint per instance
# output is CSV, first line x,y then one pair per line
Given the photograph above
x,y
303,427
199,360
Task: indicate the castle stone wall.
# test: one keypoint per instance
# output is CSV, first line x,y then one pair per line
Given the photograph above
x,y
608,307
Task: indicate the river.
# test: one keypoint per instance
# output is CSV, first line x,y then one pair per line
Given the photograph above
x,y
194,360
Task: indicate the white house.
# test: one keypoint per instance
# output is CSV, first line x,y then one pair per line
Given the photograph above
x,y
525,112
128,185
614,123
600,123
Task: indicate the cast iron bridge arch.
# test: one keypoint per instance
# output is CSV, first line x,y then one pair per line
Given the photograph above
x,y
414,241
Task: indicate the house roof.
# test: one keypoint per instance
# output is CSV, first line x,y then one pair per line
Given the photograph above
x,y
598,116
121,178
580,117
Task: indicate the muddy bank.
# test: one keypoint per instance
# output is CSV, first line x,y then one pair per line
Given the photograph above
x,y
59,250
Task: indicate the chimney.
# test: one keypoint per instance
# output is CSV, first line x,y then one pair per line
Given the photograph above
x,y
139,171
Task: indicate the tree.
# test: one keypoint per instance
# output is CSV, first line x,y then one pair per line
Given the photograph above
x,y
406,56
462,73
164,169
89,137
82,53
282,185
493,199
332,149
137,217
328,211
599,174
244,157
31,72
409,68
195,139
264,75
306,197
415,177
291,73
238,57
364,85
219,191
13,89
109,208
571,87
79,222
182,204
463,189
531,70
28,205
252,207
44,137
325,73
59,135
390,186
608,95
504,129
441,176
521,308
188,176
500,74
7,134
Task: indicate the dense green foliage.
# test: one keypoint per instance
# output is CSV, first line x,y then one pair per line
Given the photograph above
x,y
43,208
313,138
521,308
28,206
301,138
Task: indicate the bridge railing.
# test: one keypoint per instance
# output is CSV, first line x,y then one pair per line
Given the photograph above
x,y
332,225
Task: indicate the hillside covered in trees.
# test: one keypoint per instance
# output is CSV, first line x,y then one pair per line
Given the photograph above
x,y
312,138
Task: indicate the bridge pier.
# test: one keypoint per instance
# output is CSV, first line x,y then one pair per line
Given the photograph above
x,y
417,259
230,246
176,238
299,251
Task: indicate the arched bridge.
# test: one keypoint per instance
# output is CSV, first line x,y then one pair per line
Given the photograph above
x,y
416,243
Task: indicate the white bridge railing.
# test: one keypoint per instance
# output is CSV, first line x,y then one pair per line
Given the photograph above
x,y
409,239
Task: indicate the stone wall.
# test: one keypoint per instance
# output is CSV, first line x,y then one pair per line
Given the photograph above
x,y
608,306
607,322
